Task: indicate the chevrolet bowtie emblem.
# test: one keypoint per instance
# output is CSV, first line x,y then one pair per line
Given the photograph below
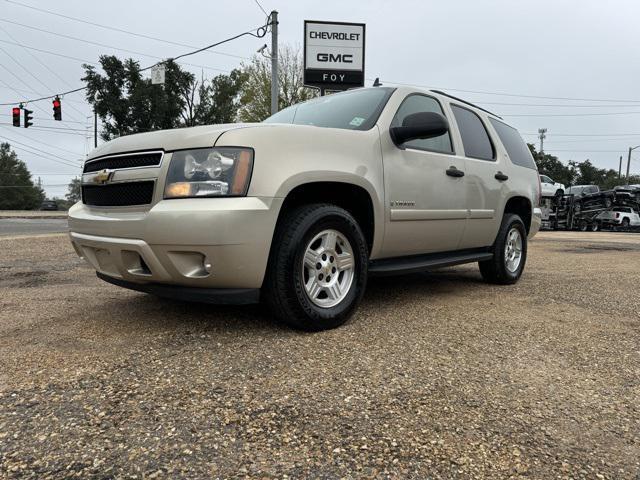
x,y
103,176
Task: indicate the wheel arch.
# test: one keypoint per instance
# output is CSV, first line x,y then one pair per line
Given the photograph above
x,y
520,206
354,198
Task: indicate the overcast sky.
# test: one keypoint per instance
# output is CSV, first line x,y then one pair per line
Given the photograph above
x,y
573,49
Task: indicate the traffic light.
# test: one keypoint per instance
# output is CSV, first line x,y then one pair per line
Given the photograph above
x,y
16,116
28,118
57,109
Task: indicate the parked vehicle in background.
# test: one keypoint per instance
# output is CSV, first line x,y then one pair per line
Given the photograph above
x,y
589,197
300,209
49,205
623,217
582,190
550,188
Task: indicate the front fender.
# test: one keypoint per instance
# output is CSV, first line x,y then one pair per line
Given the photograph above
x,y
288,156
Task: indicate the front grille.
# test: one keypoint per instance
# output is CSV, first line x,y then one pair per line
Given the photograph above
x,y
132,160
118,194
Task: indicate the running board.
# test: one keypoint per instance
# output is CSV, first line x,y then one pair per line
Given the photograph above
x,y
420,263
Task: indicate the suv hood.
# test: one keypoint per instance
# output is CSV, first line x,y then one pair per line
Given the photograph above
x,y
175,139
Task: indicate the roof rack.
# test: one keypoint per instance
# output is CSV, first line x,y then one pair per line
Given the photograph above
x,y
468,103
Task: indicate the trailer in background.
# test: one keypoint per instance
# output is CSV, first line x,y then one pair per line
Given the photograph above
x,y
588,212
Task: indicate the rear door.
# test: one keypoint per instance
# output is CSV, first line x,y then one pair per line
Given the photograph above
x,y
484,189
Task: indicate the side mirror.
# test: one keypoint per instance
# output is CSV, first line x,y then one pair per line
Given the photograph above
x,y
419,125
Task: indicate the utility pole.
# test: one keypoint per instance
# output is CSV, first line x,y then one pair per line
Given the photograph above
x,y
631,149
620,169
275,88
542,136
95,130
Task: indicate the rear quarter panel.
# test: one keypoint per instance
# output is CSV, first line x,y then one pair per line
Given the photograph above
x,y
523,181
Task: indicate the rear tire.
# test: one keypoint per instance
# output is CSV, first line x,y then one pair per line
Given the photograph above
x,y
509,253
625,223
317,270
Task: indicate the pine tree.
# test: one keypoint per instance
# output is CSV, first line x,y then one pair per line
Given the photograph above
x,y
17,191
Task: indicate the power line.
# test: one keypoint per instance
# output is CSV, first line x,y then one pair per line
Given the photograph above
x,y
50,52
261,8
587,151
42,156
47,67
588,134
103,45
26,70
42,143
23,90
42,151
259,33
503,94
36,185
558,105
46,119
569,114
54,130
115,29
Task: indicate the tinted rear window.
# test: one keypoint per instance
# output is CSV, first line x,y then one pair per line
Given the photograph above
x,y
516,148
475,138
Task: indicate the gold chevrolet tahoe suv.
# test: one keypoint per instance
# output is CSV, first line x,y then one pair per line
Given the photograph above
x,y
299,210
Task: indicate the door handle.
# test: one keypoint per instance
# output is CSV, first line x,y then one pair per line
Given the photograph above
x,y
454,172
501,176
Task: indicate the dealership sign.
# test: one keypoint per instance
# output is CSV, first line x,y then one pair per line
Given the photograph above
x,y
333,55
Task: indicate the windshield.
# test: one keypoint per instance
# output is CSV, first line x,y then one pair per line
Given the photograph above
x,y
352,110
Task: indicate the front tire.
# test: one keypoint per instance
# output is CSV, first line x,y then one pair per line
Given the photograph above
x,y
509,253
317,270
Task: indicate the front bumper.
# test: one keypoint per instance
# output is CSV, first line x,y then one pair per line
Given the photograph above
x,y
536,222
218,243
218,296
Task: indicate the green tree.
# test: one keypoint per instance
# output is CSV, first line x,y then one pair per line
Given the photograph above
x,y
17,191
213,102
74,191
551,166
255,95
613,181
127,103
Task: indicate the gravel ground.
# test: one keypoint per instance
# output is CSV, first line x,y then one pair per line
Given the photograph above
x,y
437,376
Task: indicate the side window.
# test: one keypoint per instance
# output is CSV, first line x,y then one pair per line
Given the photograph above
x,y
475,138
545,179
519,153
421,103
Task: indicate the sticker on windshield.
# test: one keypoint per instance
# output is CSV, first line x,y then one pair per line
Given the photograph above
x,y
357,121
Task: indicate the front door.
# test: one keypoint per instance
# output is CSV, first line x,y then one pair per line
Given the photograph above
x,y
424,189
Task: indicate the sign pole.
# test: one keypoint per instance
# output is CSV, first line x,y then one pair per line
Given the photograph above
x,y
275,88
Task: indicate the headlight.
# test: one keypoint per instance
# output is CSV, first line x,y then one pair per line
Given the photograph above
x,y
209,172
